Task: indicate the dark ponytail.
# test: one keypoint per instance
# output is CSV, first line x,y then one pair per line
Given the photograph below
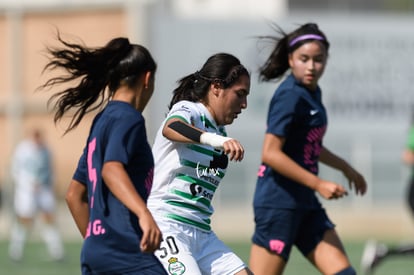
x,y
222,68
94,70
278,62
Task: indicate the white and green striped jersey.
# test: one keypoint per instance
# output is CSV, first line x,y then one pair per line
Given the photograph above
x,y
186,176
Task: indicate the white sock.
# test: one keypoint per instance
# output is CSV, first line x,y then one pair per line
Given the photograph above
x,y
53,241
17,241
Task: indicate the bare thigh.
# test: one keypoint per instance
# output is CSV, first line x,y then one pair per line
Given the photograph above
x,y
263,262
329,255
48,218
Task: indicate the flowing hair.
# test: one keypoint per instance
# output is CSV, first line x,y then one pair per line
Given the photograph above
x,y
96,70
278,62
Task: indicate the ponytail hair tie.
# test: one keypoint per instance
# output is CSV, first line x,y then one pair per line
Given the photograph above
x,y
195,76
198,76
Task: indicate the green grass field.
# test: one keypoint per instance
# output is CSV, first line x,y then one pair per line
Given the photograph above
x,y
37,262
298,265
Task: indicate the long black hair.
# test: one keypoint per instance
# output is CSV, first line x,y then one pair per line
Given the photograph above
x,y
278,62
96,71
221,68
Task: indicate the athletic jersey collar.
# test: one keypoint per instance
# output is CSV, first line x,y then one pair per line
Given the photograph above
x,y
207,113
123,104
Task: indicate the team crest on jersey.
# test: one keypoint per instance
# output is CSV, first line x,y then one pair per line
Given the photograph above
x,y
175,267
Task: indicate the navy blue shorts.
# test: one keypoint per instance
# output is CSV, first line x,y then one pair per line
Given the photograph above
x,y
279,229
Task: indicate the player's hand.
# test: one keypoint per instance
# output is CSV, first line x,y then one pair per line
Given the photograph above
x,y
356,180
233,149
330,190
152,236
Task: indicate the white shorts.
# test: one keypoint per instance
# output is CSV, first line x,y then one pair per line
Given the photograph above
x,y
188,250
28,201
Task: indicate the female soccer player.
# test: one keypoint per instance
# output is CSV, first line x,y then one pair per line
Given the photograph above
x,y
108,192
286,209
191,153
32,173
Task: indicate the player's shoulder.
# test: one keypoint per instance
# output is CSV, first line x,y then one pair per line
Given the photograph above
x,y
184,108
184,104
287,93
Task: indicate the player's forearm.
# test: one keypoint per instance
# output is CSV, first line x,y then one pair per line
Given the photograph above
x,y
285,166
179,131
80,215
408,156
332,160
76,199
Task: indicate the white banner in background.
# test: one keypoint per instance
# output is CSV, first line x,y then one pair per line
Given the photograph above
x,y
371,69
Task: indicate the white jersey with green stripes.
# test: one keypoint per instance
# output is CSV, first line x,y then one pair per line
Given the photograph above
x,y
186,175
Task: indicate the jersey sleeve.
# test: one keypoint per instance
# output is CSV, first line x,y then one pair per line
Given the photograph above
x,y
282,111
183,110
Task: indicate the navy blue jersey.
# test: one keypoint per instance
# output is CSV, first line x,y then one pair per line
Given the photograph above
x,y
112,242
299,116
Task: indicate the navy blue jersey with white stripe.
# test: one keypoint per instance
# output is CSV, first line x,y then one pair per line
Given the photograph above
x,y
299,116
112,242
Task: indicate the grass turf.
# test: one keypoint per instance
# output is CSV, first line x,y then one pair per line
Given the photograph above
x,y
37,262
298,265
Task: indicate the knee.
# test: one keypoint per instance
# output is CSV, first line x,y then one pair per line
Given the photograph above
x,y
347,271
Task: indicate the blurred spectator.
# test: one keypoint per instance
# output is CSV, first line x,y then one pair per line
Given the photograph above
x,y
375,252
33,194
